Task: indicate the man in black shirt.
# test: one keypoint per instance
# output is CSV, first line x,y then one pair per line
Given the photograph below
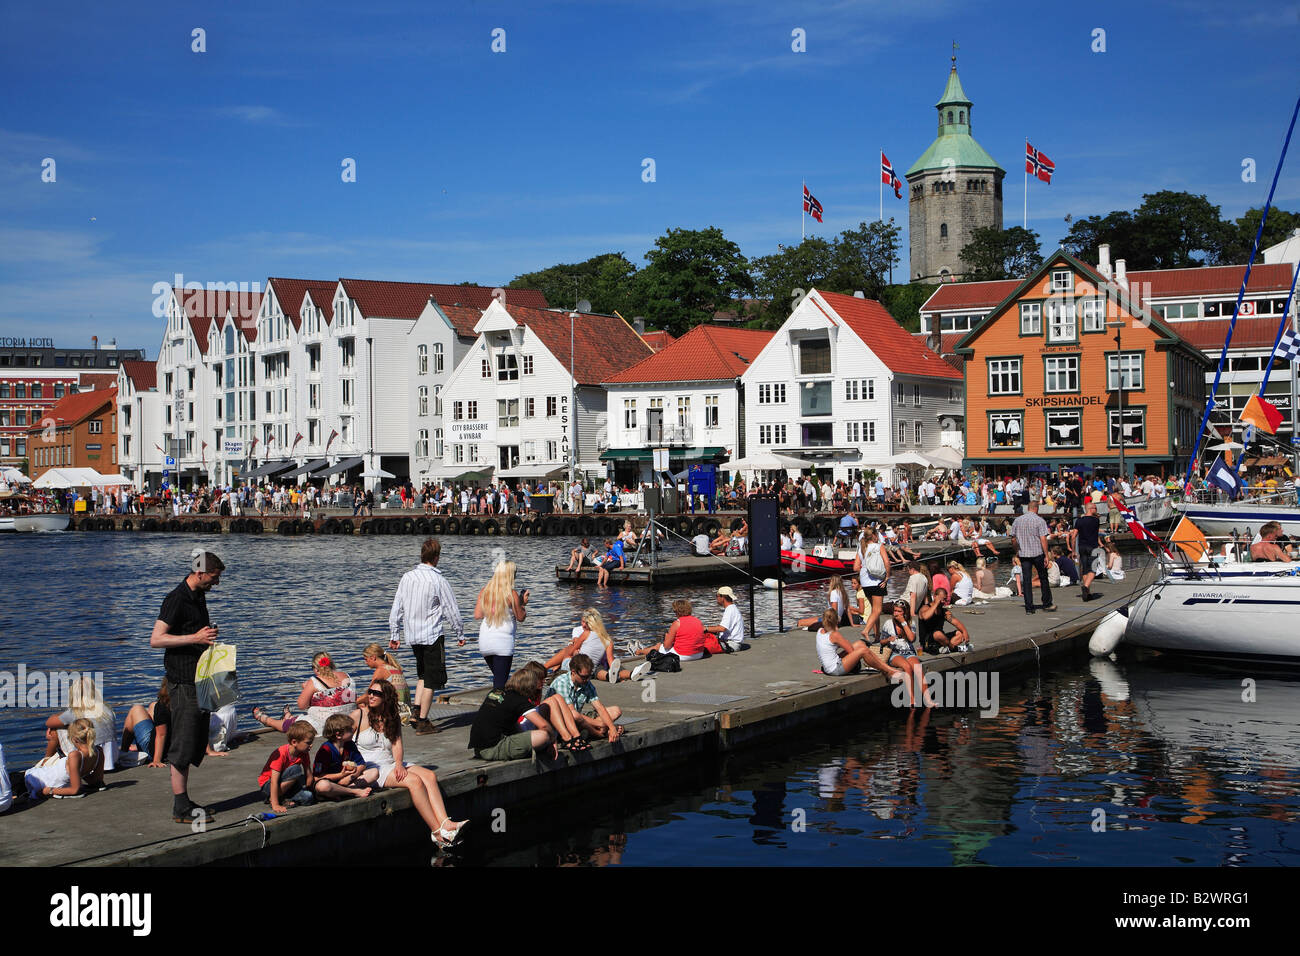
x,y
185,631
1087,534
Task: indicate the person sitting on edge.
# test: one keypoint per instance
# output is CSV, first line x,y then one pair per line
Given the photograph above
x,y
1266,548
577,689
326,692
84,700
898,648
76,775
145,730
719,545
937,578
837,594
934,639
739,543
339,768
286,773
796,539
385,667
939,532
685,638
1069,570
553,714
731,632
613,559
591,638
986,588
839,658
917,588
494,734
848,528
583,554
963,588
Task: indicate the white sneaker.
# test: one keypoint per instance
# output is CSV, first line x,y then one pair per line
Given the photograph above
x,y
640,670
613,671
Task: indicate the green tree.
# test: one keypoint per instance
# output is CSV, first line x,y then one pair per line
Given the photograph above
x,y
994,253
1178,231
692,274
1240,235
1116,228
864,258
776,277
904,303
606,281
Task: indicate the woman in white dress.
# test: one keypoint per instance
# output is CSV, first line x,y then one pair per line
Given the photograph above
x,y
500,607
1114,562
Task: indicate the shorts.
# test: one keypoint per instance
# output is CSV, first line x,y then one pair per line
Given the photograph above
x,y
144,732
431,664
839,670
187,740
876,590
514,747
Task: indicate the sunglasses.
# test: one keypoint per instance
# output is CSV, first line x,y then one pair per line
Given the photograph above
x,y
375,693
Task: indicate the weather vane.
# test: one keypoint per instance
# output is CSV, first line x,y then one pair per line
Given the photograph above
x,y
954,54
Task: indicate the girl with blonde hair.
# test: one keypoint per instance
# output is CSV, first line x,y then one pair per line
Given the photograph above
x,y
84,700
500,607
387,668
77,774
591,638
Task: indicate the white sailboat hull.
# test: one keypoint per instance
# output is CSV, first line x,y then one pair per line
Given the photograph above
x,y
39,522
1222,520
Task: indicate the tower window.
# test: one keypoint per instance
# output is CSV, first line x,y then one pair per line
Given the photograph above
x,y
950,117
943,230
961,116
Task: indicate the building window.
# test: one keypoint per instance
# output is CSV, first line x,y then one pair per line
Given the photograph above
x,y
869,432
918,428
1004,376
437,443
528,365
899,398
458,454
348,389
773,394
629,413
1062,280
507,368
1061,373
348,351
20,417
471,411
1006,430
1031,318
20,390
851,389
815,357
710,411
422,401
507,413
58,390
36,390
852,432
916,396
902,432
869,390
457,411
313,395
530,407
422,443
437,358
771,434
1065,429
1130,363
530,451
473,454
1061,323
422,360
943,230
1093,311
683,410
1134,427
552,406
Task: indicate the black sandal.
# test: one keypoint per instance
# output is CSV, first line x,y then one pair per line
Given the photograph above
x,y
575,745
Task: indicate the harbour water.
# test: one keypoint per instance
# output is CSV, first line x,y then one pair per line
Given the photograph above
x,y
1180,768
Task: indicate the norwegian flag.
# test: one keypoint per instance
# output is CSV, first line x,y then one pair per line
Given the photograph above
x,y
333,435
1140,531
889,177
1036,162
811,205
296,438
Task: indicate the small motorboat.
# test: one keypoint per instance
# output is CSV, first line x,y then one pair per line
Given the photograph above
x,y
18,512
822,559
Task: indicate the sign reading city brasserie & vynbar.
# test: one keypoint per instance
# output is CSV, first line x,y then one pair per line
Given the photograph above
x,y
1050,401
7,343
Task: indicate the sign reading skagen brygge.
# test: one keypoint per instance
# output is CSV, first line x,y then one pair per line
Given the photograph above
x,y
11,343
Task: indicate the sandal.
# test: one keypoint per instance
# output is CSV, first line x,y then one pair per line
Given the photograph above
x,y
576,745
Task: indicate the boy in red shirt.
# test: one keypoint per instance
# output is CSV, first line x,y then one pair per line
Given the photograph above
x,y
287,774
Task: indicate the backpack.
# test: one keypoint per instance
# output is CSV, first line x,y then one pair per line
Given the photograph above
x,y
873,563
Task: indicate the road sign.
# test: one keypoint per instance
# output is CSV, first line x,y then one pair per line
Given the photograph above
x,y
169,462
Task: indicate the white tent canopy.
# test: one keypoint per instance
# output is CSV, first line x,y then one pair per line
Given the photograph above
x,y
77,478
943,457
13,476
910,458
766,461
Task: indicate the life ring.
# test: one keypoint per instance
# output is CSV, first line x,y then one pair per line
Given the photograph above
x,y
345,526
307,526
491,527
408,526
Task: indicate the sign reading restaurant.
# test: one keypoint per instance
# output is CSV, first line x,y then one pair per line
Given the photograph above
x,y
10,343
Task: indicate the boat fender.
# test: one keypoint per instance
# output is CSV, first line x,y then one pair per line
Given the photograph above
x,y
1108,633
772,584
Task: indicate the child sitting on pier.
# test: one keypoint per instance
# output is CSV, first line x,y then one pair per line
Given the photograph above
x,y
583,554
578,690
552,714
839,658
614,558
286,773
898,644
339,768
494,734
75,775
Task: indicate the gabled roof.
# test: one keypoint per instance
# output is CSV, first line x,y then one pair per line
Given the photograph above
x,y
143,375
1112,290
203,307
1209,334
603,345
706,353
323,300
97,380
658,340
889,341
289,293
406,300
463,318
1148,284
76,408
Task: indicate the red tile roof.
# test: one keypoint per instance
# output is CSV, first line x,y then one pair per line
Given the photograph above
x,y
1208,334
658,340
143,375
323,301
97,380
289,293
78,407
406,300
706,353
603,345
947,346
1155,284
463,318
203,307
890,342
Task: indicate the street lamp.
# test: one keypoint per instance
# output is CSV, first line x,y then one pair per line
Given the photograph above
x,y
1119,386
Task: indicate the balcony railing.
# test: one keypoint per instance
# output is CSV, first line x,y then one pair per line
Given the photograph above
x,y
667,434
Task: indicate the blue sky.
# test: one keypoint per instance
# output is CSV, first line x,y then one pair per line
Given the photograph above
x,y
476,166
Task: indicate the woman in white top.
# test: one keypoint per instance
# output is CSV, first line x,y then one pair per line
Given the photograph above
x,y
839,658
873,587
500,607
84,701
591,638
963,588
1114,562
838,596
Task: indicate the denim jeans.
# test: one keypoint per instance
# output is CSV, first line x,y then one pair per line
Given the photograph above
x,y
291,786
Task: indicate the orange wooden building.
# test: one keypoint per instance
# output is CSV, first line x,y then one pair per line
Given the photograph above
x,y
1044,372
78,432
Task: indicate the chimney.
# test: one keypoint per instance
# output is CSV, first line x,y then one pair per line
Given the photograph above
x,y
935,342
638,323
859,294
1103,259
1121,275
94,342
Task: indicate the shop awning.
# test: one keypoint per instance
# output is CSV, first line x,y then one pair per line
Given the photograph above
x,y
343,465
647,454
307,468
269,468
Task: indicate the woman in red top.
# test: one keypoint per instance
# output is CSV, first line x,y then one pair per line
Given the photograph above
x,y
685,636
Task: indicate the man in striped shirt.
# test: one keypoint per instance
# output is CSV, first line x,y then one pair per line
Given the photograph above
x,y
1030,532
423,606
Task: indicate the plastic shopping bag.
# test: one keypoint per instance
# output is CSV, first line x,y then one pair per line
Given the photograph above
x,y
214,680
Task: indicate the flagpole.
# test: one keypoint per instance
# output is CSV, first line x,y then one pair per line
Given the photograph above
x,y
1286,315
881,184
1025,222
803,214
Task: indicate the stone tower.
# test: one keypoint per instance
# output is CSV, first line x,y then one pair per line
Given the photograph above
x,y
956,188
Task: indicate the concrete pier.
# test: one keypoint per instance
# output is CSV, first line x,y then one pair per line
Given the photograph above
x,y
713,705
